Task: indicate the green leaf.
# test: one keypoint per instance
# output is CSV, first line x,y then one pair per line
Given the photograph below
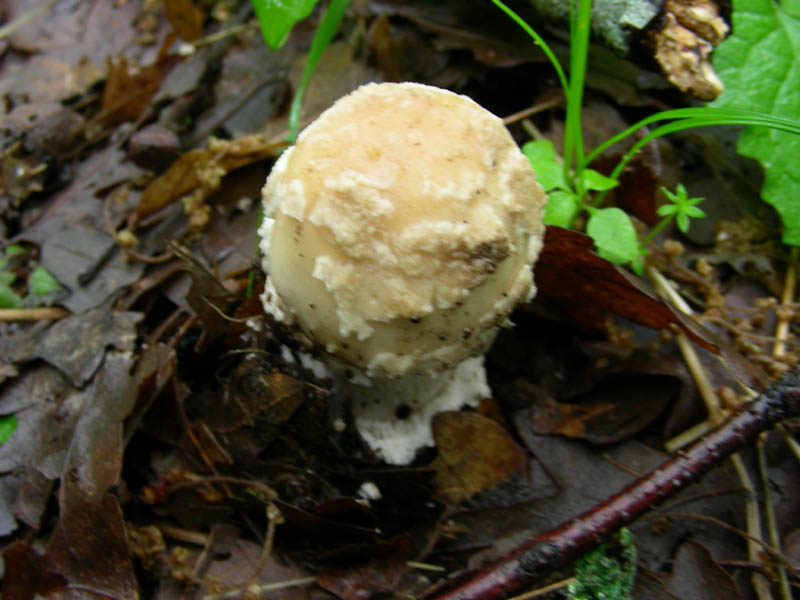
x,y
760,67
561,208
8,297
8,425
549,172
41,282
277,17
682,208
614,235
13,250
592,180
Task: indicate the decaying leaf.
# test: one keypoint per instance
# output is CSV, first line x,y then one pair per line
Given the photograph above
x,y
609,413
202,170
75,345
589,288
697,576
207,297
186,18
475,454
364,581
90,551
27,574
128,90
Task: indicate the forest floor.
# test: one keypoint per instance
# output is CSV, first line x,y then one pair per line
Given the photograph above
x,y
159,445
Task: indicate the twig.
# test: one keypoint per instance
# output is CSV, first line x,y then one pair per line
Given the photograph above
x,y
753,520
782,328
715,413
546,589
790,441
184,535
532,110
29,16
256,591
33,314
543,553
772,523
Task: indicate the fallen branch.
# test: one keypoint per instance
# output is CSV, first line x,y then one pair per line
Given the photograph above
x,y
544,553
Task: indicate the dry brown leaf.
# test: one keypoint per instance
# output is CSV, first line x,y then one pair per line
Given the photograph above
x,y
361,582
475,454
203,169
128,90
186,18
587,288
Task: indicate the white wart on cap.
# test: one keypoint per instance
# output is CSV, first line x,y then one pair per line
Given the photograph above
x,y
399,233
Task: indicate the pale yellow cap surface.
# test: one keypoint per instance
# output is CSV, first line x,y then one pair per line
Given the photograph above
x,y
401,229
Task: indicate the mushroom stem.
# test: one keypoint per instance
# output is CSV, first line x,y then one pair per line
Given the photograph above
x,y
394,414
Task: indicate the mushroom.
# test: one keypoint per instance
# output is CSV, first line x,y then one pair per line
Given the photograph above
x,y
399,232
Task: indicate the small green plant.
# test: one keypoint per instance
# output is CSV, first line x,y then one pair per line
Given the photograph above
x,y
601,577
681,209
579,189
40,283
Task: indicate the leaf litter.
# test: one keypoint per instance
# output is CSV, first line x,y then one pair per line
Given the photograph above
x,y
164,447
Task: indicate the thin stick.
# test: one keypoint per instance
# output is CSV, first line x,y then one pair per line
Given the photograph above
x,y
532,110
782,328
753,520
790,441
184,535
33,314
704,387
769,513
29,16
258,590
546,589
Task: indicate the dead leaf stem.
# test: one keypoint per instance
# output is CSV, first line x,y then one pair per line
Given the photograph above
x,y
33,314
753,521
7,30
771,520
784,316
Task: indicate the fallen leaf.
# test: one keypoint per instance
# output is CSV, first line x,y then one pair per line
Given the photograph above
x,y
28,575
128,90
74,244
611,411
203,169
186,18
576,281
363,581
90,550
697,576
207,297
475,454
75,345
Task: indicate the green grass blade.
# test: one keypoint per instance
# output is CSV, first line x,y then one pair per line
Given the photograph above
x,y
322,38
578,57
538,40
701,117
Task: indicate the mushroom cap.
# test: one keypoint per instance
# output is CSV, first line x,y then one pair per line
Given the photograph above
x,y
401,229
